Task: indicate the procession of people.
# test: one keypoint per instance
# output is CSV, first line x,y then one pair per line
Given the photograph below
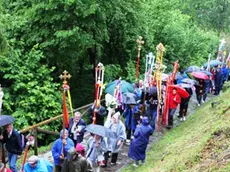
x,y
132,112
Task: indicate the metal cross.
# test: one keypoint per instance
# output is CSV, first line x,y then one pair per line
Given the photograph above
x,y
65,76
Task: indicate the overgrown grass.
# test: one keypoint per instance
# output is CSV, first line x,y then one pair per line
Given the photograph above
x,y
179,149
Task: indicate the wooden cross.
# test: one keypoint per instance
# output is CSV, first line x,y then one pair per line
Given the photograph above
x,y
140,42
65,76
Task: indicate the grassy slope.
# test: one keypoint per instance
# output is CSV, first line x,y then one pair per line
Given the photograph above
x,y
182,145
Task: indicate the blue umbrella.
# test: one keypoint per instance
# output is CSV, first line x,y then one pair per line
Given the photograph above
x,y
101,131
213,63
6,119
125,87
192,69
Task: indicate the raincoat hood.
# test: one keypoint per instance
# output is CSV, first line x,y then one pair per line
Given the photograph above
x,y
61,133
145,120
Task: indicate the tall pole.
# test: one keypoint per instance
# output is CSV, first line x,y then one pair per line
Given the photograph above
x,y
140,42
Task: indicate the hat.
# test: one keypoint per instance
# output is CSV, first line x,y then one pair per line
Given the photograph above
x,y
33,159
116,115
79,147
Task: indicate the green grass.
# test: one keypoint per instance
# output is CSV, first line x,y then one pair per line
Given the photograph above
x,y
179,149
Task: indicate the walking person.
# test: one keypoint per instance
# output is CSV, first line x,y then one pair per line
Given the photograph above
x,y
174,100
128,114
138,146
200,89
100,114
96,147
184,105
151,111
76,128
218,81
114,145
208,84
60,148
13,142
75,162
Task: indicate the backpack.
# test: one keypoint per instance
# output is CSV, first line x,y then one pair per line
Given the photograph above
x,y
23,140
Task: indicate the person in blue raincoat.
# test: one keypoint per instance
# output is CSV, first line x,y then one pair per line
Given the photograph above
x,y
224,71
129,119
58,152
35,164
138,146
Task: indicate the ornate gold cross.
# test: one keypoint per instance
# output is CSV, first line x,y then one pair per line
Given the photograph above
x,y
65,76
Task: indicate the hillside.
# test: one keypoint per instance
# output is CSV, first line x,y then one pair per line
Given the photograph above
x,y
201,143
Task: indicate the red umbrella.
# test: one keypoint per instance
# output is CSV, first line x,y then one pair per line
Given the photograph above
x,y
200,75
181,91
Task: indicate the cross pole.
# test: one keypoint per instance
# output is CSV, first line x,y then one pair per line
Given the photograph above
x,y
65,76
140,42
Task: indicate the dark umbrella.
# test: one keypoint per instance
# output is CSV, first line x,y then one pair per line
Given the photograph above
x,y
129,98
189,81
192,69
200,75
207,72
181,91
101,131
6,119
125,87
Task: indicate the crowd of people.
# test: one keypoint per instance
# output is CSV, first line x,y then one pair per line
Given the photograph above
x,y
132,123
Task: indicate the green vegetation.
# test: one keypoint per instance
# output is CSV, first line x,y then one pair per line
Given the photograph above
x,y
200,143
39,39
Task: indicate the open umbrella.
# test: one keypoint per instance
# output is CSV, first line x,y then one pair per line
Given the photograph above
x,y
125,87
181,91
129,98
213,63
207,72
192,69
200,75
188,81
183,85
101,131
6,119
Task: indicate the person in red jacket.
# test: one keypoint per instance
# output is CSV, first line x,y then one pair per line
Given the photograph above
x,y
174,100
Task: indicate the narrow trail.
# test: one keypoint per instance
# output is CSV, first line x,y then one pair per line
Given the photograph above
x,y
123,159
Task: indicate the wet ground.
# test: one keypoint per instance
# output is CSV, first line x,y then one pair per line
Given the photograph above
x,y
123,159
